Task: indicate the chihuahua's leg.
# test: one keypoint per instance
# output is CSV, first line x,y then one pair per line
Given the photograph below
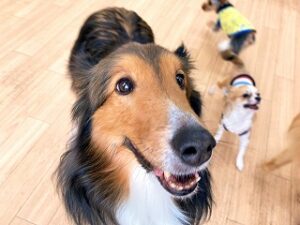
x,y
283,158
215,26
249,40
244,141
219,133
227,53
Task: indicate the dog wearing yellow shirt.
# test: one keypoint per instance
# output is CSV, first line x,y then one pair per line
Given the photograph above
x,y
240,31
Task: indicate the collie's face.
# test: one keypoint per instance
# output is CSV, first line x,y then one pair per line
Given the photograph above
x,y
146,118
244,96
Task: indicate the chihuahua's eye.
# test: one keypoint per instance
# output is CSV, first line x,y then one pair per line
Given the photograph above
x,y
246,95
180,80
124,86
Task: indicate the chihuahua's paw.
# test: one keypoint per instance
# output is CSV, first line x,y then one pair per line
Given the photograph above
x,y
240,164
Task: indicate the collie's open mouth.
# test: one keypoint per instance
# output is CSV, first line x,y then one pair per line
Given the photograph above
x,y
253,106
179,185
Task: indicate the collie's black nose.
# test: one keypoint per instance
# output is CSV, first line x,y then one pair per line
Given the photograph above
x,y
193,145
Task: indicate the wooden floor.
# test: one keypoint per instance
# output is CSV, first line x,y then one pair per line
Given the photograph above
x,y
35,101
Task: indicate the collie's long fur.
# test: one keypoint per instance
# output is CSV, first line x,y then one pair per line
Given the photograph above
x,y
135,109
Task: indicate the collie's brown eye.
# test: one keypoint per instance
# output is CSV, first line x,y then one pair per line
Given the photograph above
x,y
246,95
124,86
180,80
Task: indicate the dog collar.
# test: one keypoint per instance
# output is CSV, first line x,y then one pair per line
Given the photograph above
x,y
242,80
224,6
240,134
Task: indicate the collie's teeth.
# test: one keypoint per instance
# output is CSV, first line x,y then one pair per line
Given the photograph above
x,y
197,177
173,185
180,188
192,183
189,185
167,175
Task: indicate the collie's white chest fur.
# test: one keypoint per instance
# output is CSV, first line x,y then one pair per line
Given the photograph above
x,y
238,120
148,203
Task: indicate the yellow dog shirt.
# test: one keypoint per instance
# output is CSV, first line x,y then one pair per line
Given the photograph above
x,y
233,22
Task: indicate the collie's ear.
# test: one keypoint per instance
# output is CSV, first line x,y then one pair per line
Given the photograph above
x,y
185,58
181,51
192,95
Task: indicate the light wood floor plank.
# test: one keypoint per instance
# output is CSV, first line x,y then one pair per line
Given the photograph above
x,y
231,222
44,202
26,177
20,221
60,218
12,151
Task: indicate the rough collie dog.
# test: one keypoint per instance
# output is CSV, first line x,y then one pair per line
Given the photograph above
x,y
238,28
242,100
139,153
